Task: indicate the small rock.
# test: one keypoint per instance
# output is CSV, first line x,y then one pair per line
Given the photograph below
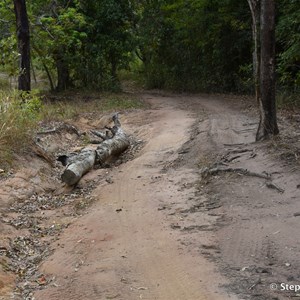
x,y
262,270
162,208
297,214
175,226
287,264
109,180
42,280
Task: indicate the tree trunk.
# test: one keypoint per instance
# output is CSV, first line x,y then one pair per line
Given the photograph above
x,y
268,120
63,74
40,54
23,37
255,13
48,75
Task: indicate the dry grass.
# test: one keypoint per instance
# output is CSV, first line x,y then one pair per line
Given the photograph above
x,y
18,120
288,100
69,106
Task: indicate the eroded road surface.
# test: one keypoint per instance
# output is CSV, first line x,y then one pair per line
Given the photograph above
x,y
171,224
125,247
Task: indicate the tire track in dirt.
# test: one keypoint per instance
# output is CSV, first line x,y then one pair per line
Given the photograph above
x,y
257,241
124,248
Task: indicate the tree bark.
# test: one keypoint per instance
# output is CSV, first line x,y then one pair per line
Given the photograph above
x,y
255,13
40,54
112,147
83,162
23,37
268,119
63,74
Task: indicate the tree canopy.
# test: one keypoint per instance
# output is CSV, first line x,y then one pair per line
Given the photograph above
x,y
196,45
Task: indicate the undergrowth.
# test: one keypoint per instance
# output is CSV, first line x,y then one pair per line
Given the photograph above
x,y
21,113
288,100
70,106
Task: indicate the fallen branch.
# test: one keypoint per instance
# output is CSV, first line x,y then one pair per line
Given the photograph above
x,y
99,134
237,153
39,151
232,158
62,127
272,185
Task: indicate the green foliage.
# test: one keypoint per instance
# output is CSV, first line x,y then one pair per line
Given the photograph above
x,y
8,44
288,34
182,44
58,35
4,83
9,55
60,111
111,42
31,104
191,40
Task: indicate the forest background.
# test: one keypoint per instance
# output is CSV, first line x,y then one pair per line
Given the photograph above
x,y
194,45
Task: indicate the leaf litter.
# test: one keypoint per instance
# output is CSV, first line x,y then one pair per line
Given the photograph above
x,y
39,220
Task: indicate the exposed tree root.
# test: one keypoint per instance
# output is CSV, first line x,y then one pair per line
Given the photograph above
x,y
272,185
39,151
217,170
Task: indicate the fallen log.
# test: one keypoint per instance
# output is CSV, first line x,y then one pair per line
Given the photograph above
x,y
80,164
113,146
84,162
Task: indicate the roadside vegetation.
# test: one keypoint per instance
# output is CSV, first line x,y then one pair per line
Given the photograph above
x,y
18,120
22,113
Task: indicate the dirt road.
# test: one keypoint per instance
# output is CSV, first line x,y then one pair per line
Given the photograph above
x,y
162,227
124,248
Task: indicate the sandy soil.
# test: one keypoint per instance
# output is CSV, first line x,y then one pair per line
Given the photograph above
x,y
160,227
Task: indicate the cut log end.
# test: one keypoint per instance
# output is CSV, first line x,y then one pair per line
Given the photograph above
x,y
70,177
85,162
